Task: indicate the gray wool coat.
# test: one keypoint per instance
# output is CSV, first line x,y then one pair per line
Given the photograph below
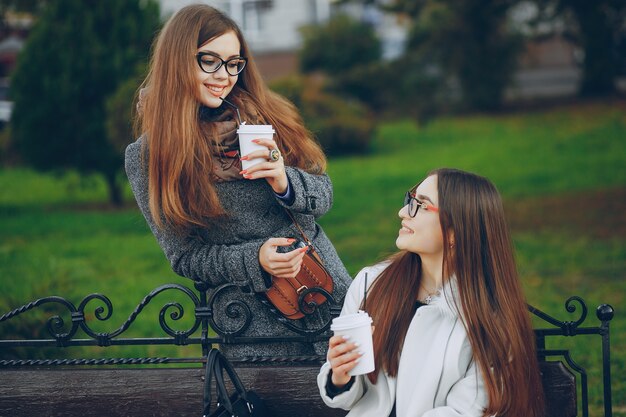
x,y
227,251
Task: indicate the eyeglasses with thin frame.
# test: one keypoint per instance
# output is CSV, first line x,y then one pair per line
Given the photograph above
x,y
210,63
414,204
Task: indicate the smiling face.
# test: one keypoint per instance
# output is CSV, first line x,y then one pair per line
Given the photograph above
x,y
422,234
219,83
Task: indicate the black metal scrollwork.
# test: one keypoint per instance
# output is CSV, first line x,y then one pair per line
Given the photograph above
x,y
309,307
237,311
229,317
56,325
569,327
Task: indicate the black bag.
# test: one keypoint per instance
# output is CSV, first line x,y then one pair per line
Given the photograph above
x,y
241,403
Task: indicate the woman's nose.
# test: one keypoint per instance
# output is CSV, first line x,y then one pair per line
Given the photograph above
x,y
403,212
221,72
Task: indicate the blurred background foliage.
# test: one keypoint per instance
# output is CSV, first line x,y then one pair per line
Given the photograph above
x,y
76,57
83,59
338,46
69,224
342,126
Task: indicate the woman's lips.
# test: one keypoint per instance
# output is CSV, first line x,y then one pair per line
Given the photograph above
x,y
405,229
217,91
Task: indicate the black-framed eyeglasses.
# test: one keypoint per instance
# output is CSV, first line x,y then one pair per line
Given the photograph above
x,y
414,204
211,63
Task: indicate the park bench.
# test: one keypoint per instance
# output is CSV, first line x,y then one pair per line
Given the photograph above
x,y
163,386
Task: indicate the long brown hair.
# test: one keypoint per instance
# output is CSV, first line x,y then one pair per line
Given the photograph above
x,y
180,147
490,296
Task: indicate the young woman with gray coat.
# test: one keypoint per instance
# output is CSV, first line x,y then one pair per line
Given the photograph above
x,y
214,221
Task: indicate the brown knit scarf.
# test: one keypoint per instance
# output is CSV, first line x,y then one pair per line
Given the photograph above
x,y
226,156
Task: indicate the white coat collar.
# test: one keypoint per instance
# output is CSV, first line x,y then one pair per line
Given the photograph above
x,y
445,301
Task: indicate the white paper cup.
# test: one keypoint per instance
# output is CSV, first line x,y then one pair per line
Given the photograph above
x,y
359,327
247,133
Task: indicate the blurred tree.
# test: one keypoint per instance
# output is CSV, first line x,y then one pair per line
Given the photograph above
x,y
338,46
599,26
119,112
468,42
77,55
349,52
341,126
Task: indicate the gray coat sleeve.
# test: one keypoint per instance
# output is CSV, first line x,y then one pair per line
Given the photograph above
x,y
313,193
189,256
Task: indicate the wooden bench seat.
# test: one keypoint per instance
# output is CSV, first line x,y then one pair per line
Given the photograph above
x,y
118,387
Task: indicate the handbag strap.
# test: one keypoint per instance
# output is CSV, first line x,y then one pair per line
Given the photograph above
x,y
208,377
222,364
312,250
293,219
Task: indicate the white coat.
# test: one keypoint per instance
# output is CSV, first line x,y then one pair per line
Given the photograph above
x,y
436,377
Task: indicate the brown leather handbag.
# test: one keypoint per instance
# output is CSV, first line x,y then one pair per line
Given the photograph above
x,y
284,293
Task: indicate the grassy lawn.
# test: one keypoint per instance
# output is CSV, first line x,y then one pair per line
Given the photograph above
x,y
562,173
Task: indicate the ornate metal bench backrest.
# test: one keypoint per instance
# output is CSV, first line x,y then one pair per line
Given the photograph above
x,y
204,304
65,335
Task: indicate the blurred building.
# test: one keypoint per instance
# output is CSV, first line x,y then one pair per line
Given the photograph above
x,y
549,67
550,64
268,25
272,27
12,38
15,29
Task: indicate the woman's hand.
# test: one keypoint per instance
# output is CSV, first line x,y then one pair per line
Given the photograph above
x,y
272,171
282,265
343,356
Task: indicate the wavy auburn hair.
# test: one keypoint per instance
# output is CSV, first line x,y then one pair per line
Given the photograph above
x,y
181,191
490,296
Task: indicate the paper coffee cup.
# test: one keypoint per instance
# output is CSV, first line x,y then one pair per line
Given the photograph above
x,y
247,133
359,327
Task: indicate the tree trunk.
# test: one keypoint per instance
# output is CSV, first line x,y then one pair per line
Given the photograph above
x,y
115,191
599,66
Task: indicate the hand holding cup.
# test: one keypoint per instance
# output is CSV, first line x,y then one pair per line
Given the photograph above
x,y
351,351
260,156
343,356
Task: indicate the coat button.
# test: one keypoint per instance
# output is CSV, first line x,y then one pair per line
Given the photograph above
x,y
312,203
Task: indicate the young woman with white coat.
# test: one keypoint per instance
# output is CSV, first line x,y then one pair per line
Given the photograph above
x,y
451,331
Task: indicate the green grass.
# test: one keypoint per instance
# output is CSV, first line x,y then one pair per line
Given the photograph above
x,y
57,236
533,154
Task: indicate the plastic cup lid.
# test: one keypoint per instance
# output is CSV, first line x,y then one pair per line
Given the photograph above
x,y
351,321
255,129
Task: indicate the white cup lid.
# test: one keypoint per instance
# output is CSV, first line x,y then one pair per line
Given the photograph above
x,y
255,129
350,321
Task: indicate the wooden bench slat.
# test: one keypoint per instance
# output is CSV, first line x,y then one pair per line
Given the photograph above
x,y
288,391
559,387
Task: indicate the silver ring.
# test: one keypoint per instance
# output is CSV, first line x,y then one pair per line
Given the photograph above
x,y
274,155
